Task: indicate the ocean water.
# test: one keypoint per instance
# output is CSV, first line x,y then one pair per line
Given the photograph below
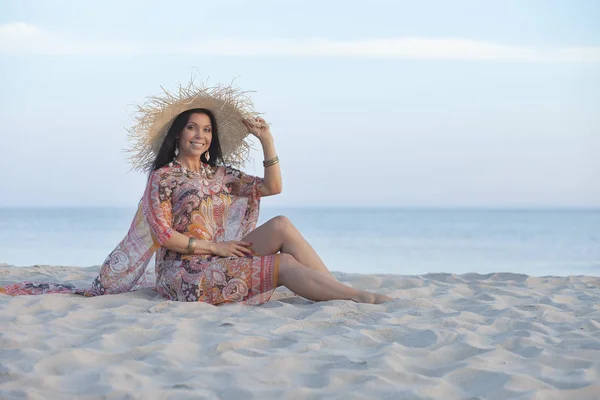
x,y
397,241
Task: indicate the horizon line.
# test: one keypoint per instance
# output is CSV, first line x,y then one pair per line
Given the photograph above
x,y
345,207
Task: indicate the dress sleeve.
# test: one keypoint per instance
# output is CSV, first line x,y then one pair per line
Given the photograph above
x,y
125,266
157,207
242,184
243,210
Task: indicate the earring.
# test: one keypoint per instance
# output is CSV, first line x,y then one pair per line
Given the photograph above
x,y
176,147
207,156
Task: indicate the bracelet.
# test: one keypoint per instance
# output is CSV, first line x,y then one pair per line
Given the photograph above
x,y
191,245
272,161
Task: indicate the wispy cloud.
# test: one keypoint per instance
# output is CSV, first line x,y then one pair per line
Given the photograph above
x,y
24,38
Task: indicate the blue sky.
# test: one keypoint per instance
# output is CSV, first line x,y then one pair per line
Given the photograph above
x,y
385,103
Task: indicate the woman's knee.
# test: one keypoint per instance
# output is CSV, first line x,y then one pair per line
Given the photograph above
x,y
281,224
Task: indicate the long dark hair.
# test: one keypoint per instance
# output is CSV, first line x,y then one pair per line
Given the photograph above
x,y
166,154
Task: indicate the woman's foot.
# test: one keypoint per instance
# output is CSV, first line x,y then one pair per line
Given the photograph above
x,y
371,298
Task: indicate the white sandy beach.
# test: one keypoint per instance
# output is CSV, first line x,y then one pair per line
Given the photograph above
x,y
447,336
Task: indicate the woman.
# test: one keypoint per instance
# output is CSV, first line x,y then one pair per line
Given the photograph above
x,y
199,216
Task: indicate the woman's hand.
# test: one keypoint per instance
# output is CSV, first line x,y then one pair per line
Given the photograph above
x,y
232,249
258,127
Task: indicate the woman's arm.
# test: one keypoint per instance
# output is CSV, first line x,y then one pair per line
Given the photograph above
x,y
178,242
272,181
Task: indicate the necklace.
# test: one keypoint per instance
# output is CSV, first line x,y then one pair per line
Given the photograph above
x,y
205,169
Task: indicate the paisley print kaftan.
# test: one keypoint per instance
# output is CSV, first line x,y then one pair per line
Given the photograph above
x,y
219,204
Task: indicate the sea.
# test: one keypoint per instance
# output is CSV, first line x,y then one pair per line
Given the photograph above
x,y
539,242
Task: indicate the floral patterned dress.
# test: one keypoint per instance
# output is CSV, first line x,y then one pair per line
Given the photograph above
x,y
218,204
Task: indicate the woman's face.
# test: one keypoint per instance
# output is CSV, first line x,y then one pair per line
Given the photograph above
x,y
196,136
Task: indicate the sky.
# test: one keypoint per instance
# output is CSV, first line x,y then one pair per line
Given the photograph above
x,y
371,104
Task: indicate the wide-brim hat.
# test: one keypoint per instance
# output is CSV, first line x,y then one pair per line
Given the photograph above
x,y
153,119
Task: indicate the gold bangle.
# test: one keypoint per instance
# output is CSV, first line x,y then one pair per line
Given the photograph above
x,y
272,161
191,245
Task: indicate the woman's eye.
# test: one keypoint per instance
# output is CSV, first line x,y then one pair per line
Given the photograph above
x,y
190,127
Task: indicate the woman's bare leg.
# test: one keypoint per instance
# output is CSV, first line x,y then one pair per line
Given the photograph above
x,y
280,235
317,286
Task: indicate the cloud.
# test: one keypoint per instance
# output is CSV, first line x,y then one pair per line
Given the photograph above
x,y
24,38
399,48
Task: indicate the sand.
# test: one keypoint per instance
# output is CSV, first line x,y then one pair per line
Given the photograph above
x,y
497,336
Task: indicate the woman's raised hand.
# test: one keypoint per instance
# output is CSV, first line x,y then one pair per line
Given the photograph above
x,y
258,127
233,248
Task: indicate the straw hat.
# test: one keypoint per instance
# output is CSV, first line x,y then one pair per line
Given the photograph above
x,y
153,119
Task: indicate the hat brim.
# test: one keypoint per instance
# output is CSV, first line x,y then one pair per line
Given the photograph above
x,y
154,118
